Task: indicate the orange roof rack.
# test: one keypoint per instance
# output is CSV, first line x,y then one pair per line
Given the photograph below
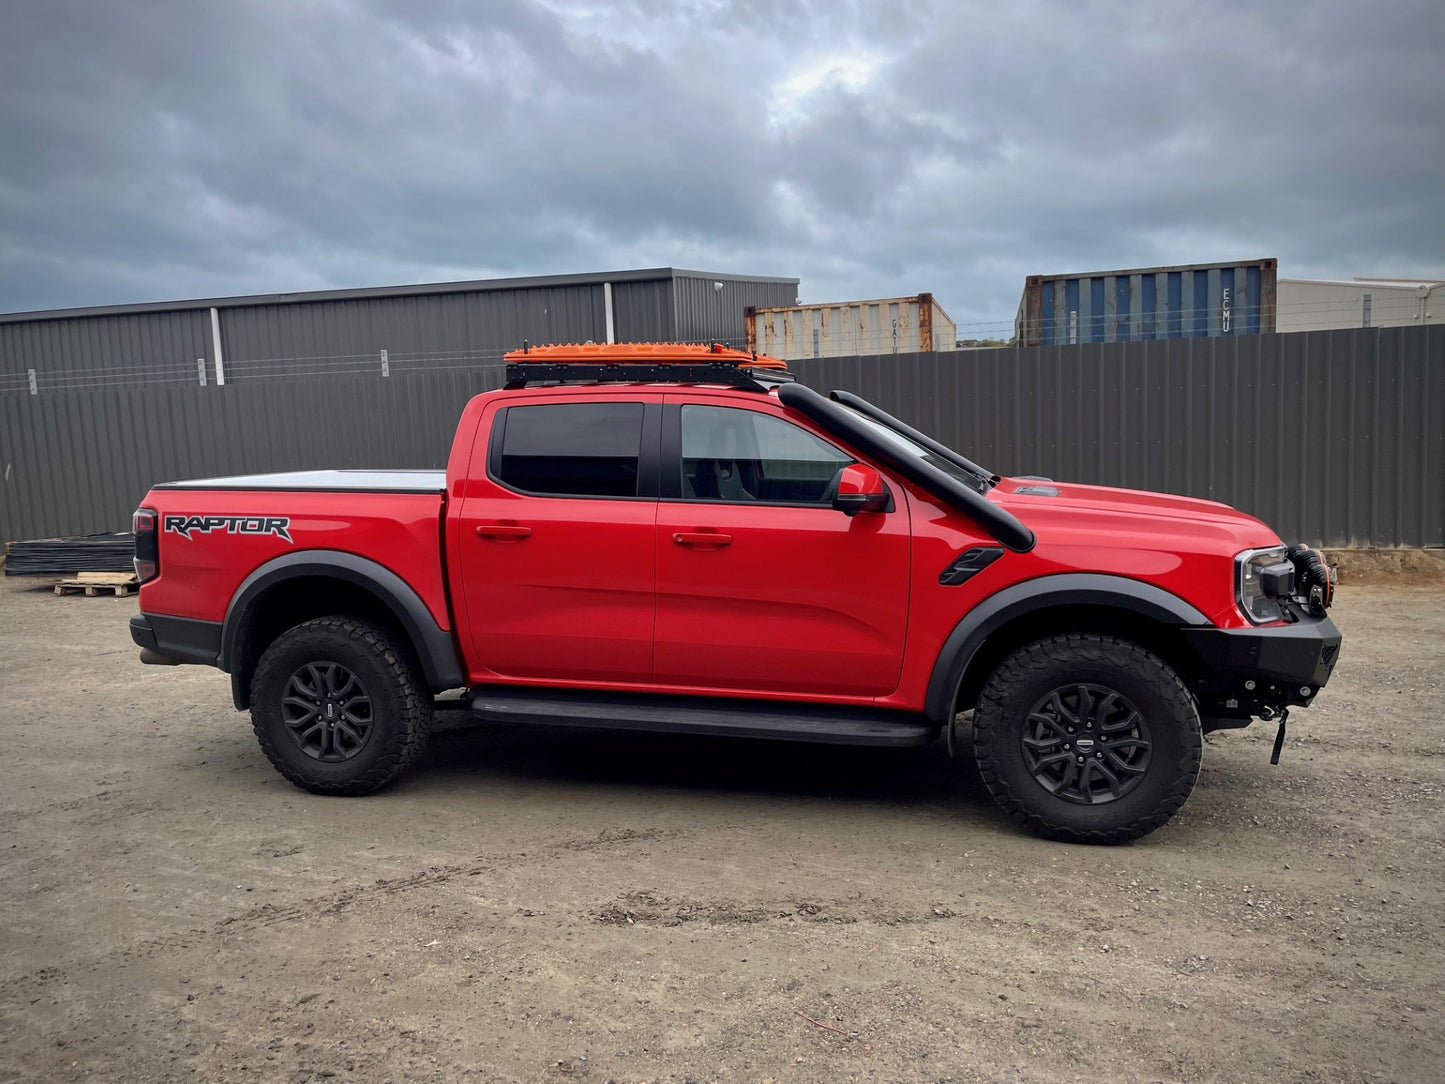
x,y
641,353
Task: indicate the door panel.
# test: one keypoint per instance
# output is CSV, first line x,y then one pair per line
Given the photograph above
x,y
754,593
560,586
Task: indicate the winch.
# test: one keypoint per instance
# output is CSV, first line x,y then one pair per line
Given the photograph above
x,y
1314,579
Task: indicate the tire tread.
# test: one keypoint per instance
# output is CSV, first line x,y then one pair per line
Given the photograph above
x,y
413,719
1096,649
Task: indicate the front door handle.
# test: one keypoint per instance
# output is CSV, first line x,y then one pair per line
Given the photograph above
x,y
701,538
511,532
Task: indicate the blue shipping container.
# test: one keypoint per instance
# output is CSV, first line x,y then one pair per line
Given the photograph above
x,y
1194,301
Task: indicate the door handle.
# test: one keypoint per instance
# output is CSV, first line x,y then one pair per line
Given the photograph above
x,y
503,531
701,538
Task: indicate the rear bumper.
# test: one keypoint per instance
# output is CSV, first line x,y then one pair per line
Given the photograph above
x,y
1246,670
180,638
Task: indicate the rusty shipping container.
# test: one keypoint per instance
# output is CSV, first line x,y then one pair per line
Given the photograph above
x,y
1192,301
895,325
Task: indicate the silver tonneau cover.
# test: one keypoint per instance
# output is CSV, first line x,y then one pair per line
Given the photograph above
x,y
350,481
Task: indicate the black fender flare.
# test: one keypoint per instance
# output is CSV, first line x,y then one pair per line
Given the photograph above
x,y
433,645
1045,592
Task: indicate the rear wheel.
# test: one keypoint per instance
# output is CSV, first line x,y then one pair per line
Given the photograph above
x,y
1087,739
338,707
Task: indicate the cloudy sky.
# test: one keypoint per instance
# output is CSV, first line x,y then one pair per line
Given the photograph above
x,y
183,148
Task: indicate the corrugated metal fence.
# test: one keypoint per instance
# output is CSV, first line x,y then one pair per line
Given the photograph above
x,y
79,462
1331,437
1337,438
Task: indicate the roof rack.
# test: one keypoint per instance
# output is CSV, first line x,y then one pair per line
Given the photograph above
x,y
652,363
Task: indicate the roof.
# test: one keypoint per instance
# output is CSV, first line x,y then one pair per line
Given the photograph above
x,y
1359,283
1402,282
1266,265
649,274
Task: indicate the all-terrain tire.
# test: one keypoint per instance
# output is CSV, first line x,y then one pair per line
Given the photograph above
x,y
378,670
1028,756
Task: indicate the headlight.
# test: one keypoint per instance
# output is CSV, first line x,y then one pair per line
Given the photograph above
x,y
1259,583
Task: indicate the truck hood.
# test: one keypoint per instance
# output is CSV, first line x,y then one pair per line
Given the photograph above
x,y
1037,502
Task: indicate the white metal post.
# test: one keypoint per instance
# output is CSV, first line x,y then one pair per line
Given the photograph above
x,y
607,309
216,348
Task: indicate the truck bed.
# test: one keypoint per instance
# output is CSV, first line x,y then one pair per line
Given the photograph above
x,y
214,533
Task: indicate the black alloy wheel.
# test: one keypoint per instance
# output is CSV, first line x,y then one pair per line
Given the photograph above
x,y
1087,738
327,711
339,705
1086,743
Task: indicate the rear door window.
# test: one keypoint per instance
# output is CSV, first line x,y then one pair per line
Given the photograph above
x,y
571,449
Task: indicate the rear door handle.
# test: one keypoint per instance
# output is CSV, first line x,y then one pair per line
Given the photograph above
x,y
701,538
513,532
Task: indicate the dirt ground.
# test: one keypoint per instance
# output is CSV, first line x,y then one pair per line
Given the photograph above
x,y
1378,566
560,905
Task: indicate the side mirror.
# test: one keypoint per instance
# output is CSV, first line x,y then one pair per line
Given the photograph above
x,y
861,489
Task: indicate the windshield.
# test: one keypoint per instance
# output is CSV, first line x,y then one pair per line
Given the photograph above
x,y
897,440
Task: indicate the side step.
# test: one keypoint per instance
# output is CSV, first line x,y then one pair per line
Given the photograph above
x,y
716,717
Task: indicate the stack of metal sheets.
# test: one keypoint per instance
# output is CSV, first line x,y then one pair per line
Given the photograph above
x,y
67,556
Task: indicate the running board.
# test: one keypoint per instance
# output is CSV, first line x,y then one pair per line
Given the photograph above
x,y
717,717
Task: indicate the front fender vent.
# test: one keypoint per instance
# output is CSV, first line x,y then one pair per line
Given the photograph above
x,y
968,564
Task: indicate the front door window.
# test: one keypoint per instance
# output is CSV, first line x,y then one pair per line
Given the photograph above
x,y
742,455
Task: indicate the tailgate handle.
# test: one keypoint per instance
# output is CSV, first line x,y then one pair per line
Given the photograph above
x,y
701,538
514,532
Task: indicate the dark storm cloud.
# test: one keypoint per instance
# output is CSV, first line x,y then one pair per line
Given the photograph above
x,y
190,149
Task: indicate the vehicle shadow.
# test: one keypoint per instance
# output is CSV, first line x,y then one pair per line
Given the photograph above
x,y
518,753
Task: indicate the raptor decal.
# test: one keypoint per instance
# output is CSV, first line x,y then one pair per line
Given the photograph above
x,y
280,526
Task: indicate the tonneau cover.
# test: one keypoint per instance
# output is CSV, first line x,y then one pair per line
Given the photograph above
x,y
354,481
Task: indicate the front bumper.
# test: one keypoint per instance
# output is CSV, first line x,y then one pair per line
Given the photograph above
x,y
1246,672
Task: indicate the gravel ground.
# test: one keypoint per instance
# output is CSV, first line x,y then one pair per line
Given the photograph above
x,y
558,905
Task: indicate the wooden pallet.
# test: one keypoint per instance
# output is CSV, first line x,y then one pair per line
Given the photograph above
x,y
94,583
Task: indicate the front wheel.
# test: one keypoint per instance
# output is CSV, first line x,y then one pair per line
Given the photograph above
x,y
1087,739
338,707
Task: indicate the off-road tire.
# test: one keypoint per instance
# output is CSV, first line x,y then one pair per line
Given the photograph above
x,y
1030,674
400,707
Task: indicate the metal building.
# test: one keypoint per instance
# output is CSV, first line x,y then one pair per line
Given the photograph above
x,y
1190,301
893,325
1315,305
384,329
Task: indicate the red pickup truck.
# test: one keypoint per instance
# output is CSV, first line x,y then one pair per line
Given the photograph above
x,y
683,538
